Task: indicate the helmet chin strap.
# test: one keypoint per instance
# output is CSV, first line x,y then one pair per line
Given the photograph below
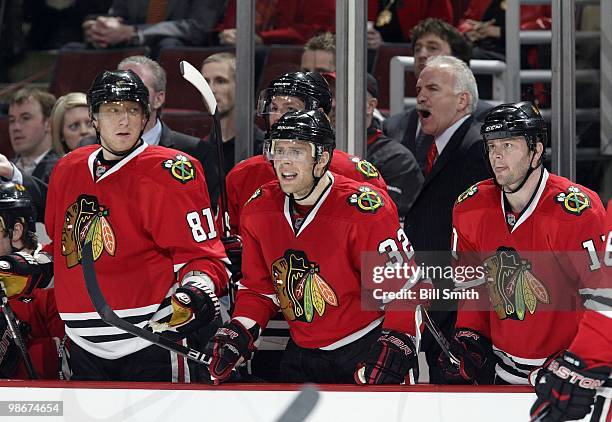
x,y
529,171
314,185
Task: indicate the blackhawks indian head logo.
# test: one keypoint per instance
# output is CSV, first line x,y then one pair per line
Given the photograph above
x,y
301,290
86,220
513,289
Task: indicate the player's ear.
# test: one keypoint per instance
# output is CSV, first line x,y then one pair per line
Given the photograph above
x,y
323,161
18,230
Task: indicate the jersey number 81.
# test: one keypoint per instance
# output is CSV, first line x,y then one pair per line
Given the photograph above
x,y
199,233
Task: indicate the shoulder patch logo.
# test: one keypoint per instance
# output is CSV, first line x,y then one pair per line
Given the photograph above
x,y
255,195
366,200
472,190
180,168
300,288
366,168
574,201
87,221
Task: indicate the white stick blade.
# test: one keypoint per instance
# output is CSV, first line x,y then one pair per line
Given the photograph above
x,y
195,78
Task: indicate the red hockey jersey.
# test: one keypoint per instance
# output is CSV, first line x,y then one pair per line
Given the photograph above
x,y
39,312
594,339
314,275
536,264
148,216
248,175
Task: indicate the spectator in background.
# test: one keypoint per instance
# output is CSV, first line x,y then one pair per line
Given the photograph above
x,y
54,23
484,24
320,54
219,70
30,132
70,122
282,22
431,37
395,162
157,133
155,24
393,20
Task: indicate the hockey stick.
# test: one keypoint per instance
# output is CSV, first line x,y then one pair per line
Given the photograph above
x,y
437,335
11,321
111,318
299,409
194,77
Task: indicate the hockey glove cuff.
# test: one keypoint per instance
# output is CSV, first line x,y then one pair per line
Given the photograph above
x,y
392,360
230,346
194,303
473,350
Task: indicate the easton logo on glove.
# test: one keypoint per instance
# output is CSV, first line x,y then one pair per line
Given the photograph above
x,y
573,377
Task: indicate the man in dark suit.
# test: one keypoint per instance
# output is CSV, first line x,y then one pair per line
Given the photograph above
x,y
431,37
155,24
157,133
446,98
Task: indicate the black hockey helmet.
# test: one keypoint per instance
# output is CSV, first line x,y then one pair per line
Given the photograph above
x,y
311,126
515,119
118,85
310,87
15,203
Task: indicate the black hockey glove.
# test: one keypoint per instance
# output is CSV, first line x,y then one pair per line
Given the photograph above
x,y
194,304
21,273
566,388
230,346
10,356
233,250
392,360
474,351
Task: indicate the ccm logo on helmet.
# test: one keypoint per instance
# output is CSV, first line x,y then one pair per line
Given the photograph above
x,y
493,127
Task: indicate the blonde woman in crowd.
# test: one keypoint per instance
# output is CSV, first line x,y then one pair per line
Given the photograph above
x,y
70,122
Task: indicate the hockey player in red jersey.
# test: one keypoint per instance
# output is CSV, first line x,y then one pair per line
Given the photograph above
x,y
157,253
291,92
571,383
25,274
533,230
304,235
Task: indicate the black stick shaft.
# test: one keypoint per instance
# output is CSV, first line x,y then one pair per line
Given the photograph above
x,y
16,334
111,318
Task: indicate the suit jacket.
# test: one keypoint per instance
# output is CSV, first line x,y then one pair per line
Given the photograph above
x,y
403,128
189,21
197,148
428,224
44,166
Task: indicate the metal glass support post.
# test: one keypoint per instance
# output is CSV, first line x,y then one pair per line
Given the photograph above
x,y
563,139
342,65
606,78
351,59
513,51
245,78
356,142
